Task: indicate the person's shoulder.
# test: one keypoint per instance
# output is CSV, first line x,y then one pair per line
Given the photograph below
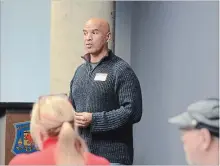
x,y
78,70
34,158
122,67
119,62
81,66
92,159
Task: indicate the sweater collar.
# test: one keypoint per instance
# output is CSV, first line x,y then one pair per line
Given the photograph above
x,y
87,57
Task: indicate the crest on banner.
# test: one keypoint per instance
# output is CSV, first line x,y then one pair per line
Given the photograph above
x,y
23,143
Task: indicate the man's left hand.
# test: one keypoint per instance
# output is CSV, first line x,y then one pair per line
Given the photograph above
x,y
83,119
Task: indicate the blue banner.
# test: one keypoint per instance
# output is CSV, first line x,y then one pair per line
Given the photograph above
x,y
23,143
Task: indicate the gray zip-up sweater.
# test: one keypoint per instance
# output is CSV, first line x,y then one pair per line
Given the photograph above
x,y
111,92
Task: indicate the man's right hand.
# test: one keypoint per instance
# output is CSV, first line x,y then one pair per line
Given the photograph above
x,y
83,119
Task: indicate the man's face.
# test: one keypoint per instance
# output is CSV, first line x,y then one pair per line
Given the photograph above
x,y
192,143
95,37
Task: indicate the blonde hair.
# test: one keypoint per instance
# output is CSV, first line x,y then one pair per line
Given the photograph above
x,y
53,116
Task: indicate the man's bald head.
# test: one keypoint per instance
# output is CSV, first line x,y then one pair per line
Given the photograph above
x,y
96,35
100,23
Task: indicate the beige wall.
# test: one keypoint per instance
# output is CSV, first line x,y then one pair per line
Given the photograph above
x,y
67,20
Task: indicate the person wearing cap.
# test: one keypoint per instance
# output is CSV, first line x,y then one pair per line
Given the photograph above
x,y
53,130
200,132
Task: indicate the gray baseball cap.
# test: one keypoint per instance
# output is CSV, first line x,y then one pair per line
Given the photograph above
x,y
201,114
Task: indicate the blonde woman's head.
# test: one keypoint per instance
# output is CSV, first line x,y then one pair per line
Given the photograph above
x,y
53,116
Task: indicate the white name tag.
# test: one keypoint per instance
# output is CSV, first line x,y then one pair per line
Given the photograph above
x,y
100,76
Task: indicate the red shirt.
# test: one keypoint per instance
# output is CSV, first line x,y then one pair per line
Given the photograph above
x,y
46,156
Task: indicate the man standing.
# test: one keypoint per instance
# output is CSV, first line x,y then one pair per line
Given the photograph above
x,y
107,97
200,132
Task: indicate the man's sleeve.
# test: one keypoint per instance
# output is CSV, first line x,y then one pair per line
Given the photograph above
x,y
71,87
129,94
70,95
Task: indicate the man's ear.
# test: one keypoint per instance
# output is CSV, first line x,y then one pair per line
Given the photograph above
x,y
108,36
206,138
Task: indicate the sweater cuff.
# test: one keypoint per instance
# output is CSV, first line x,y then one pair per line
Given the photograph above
x,y
95,116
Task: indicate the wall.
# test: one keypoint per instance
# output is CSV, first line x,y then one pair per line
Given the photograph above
x,y
174,51
123,20
24,53
25,50
0,44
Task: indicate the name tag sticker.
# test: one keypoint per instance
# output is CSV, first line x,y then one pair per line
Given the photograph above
x,y
100,76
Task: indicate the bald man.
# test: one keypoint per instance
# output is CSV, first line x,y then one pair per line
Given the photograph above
x,y
107,97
